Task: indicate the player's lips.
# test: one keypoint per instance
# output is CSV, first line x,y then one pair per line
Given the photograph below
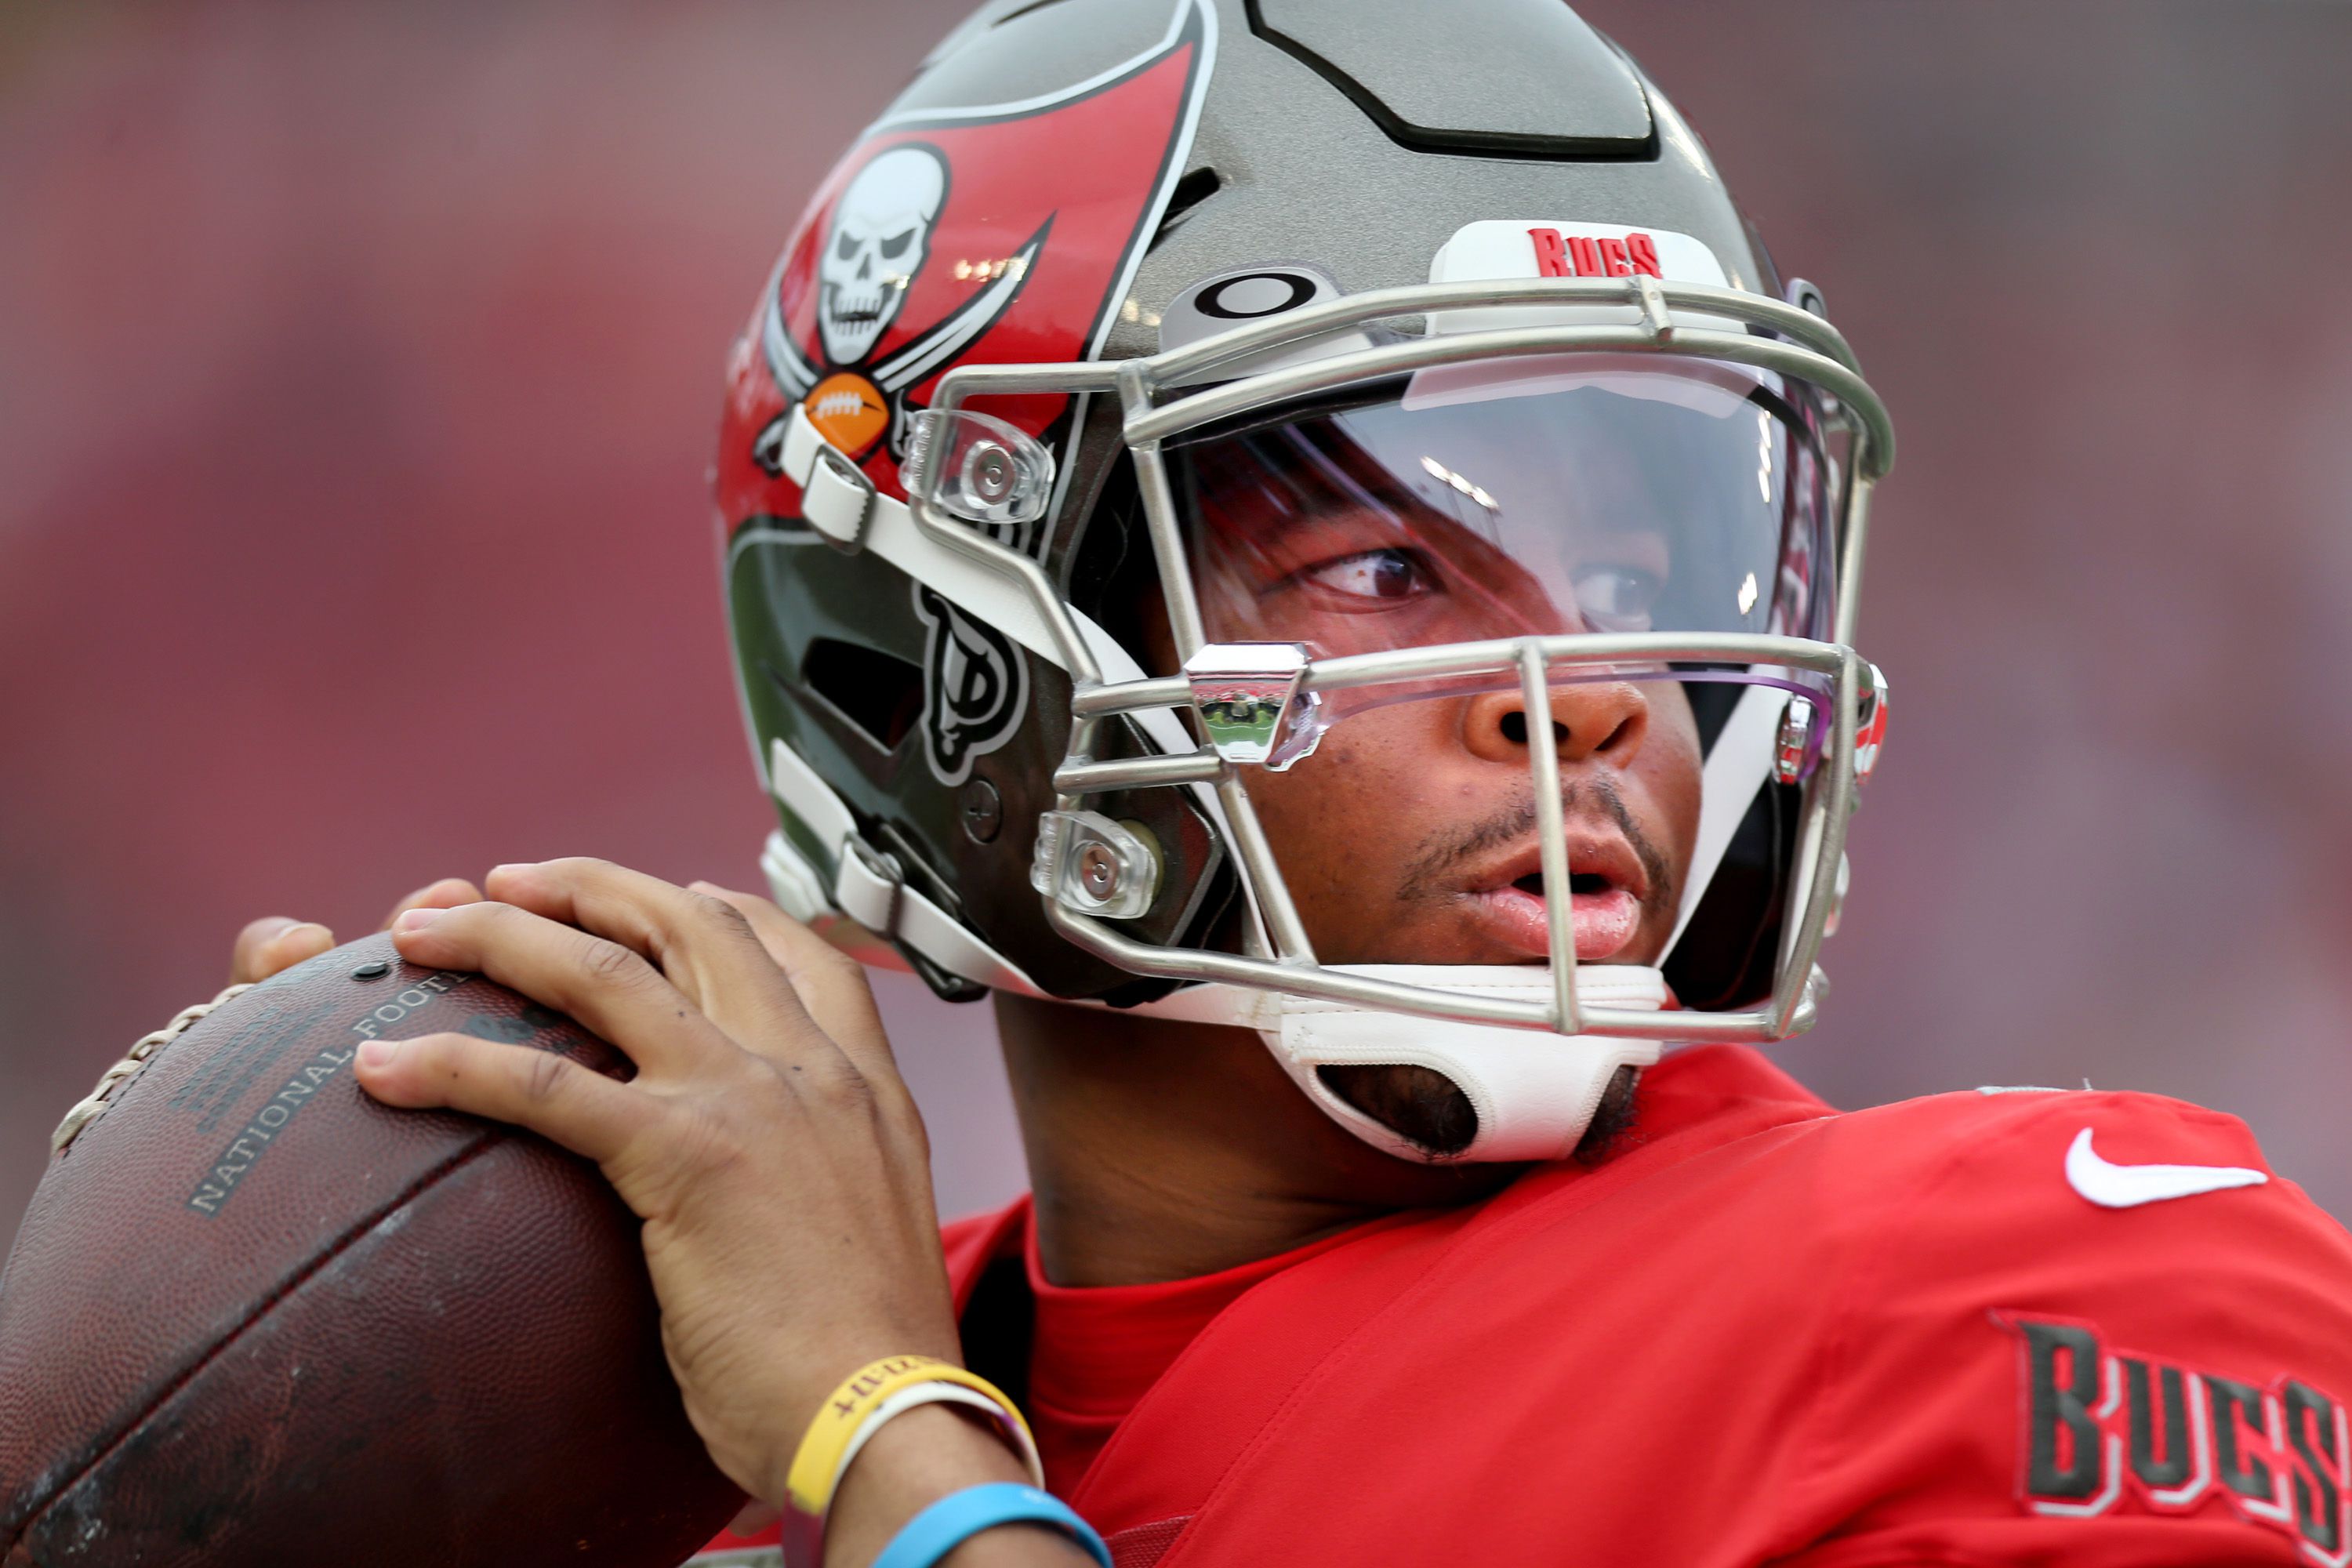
x,y
1606,887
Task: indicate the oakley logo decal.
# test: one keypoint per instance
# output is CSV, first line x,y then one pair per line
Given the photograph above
x,y
1255,294
1224,300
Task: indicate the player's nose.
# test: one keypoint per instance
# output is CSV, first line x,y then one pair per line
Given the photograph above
x,y
1604,719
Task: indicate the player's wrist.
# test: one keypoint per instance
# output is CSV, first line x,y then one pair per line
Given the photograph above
x,y
868,1400
923,1456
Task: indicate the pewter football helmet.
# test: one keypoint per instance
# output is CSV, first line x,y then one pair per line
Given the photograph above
x,y
1167,408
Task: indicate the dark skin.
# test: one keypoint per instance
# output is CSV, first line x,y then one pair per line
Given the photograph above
x,y
1409,810
781,1170
1163,1150
1160,1150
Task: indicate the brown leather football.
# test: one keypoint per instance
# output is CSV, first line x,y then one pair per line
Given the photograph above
x,y
255,1318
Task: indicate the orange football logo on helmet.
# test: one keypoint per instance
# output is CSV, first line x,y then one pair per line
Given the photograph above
x,y
848,412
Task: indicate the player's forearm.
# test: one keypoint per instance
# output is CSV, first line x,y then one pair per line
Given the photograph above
x,y
916,1459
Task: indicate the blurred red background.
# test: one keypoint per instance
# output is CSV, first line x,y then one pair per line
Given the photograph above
x,y
358,366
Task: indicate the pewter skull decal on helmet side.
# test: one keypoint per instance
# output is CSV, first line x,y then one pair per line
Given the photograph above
x,y
881,233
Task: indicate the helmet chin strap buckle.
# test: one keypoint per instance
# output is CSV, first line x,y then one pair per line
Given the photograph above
x,y
839,500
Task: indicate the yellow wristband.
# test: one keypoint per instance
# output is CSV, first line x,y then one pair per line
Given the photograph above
x,y
817,1462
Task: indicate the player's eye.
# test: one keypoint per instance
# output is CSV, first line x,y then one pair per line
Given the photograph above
x,y
1373,576
896,246
1615,597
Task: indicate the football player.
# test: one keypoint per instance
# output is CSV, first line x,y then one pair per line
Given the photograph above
x,y
1302,549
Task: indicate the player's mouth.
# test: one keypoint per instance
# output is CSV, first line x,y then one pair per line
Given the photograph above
x,y
1606,887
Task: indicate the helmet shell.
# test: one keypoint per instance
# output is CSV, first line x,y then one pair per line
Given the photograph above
x,y
1054,177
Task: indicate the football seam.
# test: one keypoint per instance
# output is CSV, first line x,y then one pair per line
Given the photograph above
x,y
490,1138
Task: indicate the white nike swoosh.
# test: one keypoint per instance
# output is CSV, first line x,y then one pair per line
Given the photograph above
x,y
2114,1187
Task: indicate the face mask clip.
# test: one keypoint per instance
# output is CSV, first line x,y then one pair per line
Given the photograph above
x,y
1870,728
1090,864
1793,749
1246,697
977,468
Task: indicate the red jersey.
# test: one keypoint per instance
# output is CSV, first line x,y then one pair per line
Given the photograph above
x,y
1096,1350
2000,1327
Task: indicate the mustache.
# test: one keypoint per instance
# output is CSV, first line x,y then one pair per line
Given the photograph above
x,y
1426,874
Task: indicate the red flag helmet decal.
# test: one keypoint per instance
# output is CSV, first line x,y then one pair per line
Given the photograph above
x,y
1001,234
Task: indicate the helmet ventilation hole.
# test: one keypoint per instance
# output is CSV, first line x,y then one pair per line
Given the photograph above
x,y
877,694
1194,188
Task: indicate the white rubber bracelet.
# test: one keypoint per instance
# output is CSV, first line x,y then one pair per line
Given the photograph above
x,y
921,1394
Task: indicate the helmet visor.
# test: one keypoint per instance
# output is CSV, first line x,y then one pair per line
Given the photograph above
x,y
1539,495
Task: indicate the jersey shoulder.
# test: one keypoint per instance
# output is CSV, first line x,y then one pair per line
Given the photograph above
x,y
2056,1307
2000,1120
2102,1171
2154,1209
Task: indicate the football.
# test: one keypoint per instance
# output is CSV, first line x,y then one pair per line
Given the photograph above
x,y
254,1317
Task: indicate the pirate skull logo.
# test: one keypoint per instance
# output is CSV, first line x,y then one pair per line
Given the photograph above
x,y
881,233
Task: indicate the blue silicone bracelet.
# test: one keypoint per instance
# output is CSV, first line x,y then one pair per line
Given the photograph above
x,y
958,1516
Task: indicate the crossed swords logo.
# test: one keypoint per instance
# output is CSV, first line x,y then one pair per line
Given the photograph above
x,y
796,376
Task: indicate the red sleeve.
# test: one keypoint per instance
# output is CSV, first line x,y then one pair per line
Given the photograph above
x,y
2018,1373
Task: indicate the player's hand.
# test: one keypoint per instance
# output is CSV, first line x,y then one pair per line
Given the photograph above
x,y
767,1142
277,942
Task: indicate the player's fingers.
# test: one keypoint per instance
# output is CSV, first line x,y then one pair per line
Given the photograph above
x,y
445,894
610,989
706,948
830,984
272,944
588,1113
